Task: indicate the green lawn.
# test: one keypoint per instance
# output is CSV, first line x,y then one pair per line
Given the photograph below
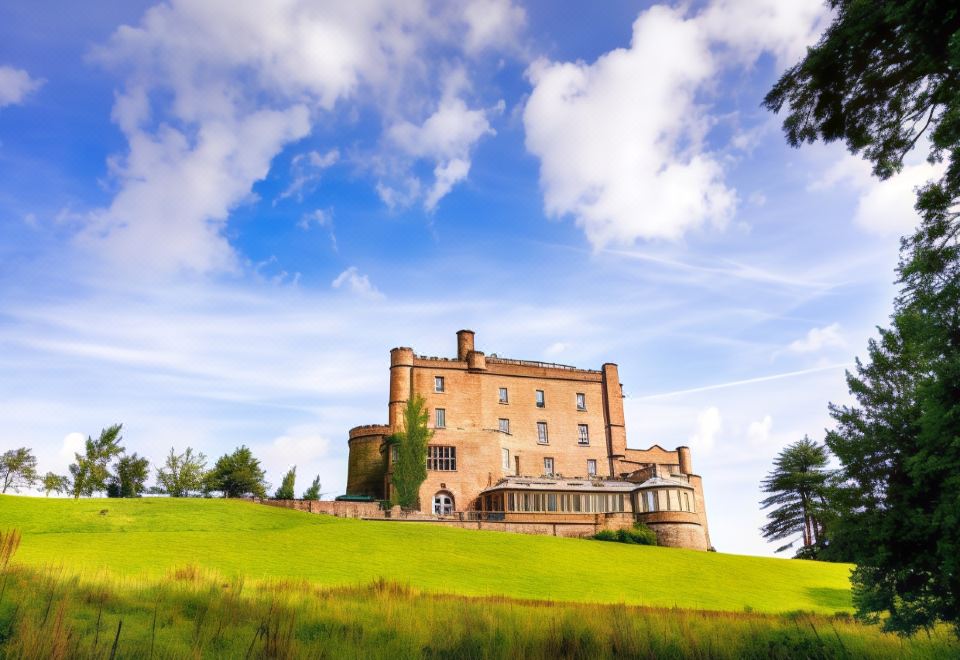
x,y
153,536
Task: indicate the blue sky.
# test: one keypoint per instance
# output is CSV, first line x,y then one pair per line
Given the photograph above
x,y
217,218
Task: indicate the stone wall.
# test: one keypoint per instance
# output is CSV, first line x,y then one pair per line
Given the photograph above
x,y
339,509
366,465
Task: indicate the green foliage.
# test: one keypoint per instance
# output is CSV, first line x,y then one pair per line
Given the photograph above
x,y
150,537
129,476
410,468
639,534
18,469
54,483
203,614
237,474
89,473
799,487
313,493
884,74
285,491
182,474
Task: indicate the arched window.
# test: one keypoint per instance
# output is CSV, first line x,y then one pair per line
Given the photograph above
x,y
442,503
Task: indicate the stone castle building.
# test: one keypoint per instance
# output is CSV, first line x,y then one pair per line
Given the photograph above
x,y
522,441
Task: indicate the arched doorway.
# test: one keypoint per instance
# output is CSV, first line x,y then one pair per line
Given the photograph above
x,y
443,503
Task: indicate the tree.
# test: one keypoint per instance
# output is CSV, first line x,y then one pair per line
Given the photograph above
x,y
798,487
89,473
313,493
237,474
54,482
129,476
410,468
884,75
285,492
182,474
18,469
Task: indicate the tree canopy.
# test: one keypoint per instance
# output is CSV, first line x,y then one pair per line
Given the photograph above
x,y
798,487
182,474
54,483
89,472
18,469
313,492
237,474
285,491
129,476
884,77
410,466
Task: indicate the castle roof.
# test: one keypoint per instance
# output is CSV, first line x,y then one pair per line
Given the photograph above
x,y
560,484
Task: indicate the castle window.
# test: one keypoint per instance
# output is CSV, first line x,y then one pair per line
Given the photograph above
x,y
506,458
592,467
503,395
581,401
548,465
441,458
542,433
438,384
583,434
443,503
441,418
650,501
394,453
505,426
541,402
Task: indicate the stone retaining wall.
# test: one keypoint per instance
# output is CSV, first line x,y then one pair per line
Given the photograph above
x,y
332,508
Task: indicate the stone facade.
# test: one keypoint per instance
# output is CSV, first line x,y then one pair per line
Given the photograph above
x,y
497,419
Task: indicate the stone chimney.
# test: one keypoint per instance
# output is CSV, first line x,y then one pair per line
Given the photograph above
x,y
464,344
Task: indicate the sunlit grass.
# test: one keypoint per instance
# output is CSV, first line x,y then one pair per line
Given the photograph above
x,y
197,613
152,537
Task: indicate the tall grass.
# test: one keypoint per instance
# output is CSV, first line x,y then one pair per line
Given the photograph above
x,y
196,614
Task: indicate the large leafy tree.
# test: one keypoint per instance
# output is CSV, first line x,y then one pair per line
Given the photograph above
x,y
410,467
18,469
129,476
237,474
884,78
798,486
285,491
89,472
182,474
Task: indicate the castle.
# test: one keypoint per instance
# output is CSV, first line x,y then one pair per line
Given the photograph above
x,y
529,442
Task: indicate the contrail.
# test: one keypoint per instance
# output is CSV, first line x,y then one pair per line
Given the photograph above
x,y
735,383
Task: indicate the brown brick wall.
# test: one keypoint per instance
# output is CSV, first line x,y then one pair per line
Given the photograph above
x,y
471,403
339,509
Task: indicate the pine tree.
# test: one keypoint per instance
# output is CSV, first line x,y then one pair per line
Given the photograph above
x,y
285,491
799,490
313,492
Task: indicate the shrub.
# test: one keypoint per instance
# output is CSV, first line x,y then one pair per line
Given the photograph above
x,y
639,534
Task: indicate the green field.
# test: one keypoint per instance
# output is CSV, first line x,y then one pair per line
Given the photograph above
x,y
153,536
222,579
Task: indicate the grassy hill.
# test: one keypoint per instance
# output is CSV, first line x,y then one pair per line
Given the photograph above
x,y
154,536
214,578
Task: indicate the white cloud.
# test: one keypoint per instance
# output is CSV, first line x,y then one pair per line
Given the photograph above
x,y
318,217
16,85
358,284
492,23
818,339
213,91
886,207
556,348
446,138
709,425
73,444
621,141
305,171
758,433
